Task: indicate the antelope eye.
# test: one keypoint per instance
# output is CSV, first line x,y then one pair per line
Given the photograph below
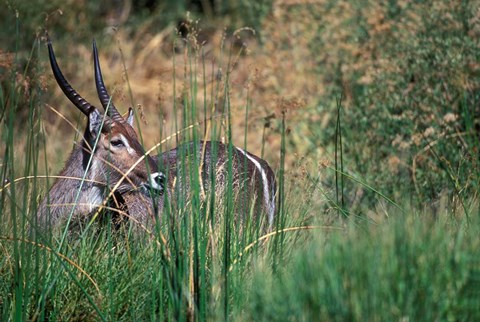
x,y
117,143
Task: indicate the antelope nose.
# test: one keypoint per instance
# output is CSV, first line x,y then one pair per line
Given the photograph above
x,y
157,181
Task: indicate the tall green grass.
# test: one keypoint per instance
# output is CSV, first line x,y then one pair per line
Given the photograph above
x,y
407,267
184,272
328,257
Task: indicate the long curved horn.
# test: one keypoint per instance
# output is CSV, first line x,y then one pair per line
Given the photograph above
x,y
102,91
71,94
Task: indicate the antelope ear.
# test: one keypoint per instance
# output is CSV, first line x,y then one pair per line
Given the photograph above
x,y
94,123
130,117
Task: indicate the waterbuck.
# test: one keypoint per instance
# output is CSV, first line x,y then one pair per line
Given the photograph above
x,y
107,157
105,162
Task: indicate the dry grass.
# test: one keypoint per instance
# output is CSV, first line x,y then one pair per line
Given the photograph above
x,y
271,78
402,86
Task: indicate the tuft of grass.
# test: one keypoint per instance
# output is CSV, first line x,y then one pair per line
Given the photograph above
x,y
407,267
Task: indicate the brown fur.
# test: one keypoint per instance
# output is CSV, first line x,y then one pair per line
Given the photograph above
x,y
248,185
107,168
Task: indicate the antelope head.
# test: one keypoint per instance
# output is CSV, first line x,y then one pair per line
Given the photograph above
x,y
119,160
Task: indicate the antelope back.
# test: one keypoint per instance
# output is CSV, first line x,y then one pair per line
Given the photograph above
x,y
109,156
253,181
